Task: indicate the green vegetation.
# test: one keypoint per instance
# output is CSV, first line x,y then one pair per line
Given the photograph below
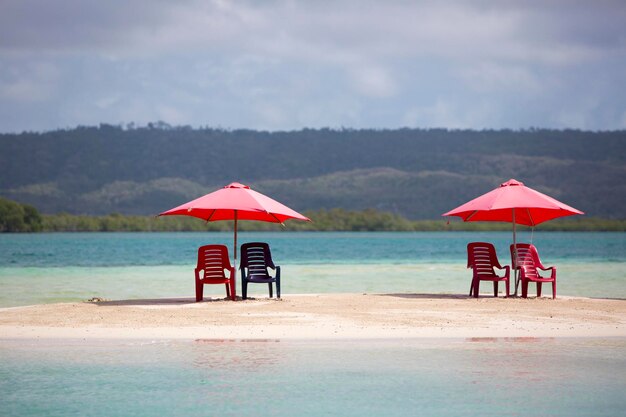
x,y
416,173
16,217
322,220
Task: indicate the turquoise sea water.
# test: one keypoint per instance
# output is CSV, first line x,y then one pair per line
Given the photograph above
x,y
42,268
404,377
457,377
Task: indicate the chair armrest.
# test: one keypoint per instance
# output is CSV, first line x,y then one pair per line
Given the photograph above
x,y
545,268
230,269
549,268
522,271
507,270
275,268
197,273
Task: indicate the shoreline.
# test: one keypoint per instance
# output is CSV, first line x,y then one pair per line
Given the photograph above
x,y
320,316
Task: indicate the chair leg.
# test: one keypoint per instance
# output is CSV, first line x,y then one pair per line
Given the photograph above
x,y
270,287
227,290
476,287
199,291
506,283
471,288
495,288
233,290
554,289
539,284
244,289
524,289
278,286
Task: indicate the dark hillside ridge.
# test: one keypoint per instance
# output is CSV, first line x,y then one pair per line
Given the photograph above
x,y
418,173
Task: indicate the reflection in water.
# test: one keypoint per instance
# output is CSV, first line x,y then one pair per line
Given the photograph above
x,y
527,361
235,354
526,339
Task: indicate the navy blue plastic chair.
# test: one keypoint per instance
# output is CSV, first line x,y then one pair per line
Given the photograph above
x,y
256,258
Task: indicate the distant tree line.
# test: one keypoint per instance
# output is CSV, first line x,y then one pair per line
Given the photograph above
x,y
416,173
16,217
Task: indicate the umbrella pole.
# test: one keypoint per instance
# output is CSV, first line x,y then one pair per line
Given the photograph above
x,y
514,255
235,245
234,277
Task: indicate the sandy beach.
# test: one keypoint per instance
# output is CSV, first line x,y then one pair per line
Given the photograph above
x,y
319,316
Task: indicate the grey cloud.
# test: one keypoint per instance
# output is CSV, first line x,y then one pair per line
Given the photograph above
x,y
75,25
384,28
288,64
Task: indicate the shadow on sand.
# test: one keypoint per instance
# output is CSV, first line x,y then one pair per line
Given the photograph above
x,y
155,302
428,296
191,301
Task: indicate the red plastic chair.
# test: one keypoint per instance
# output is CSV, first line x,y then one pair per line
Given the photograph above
x,y
482,258
212,261
529,264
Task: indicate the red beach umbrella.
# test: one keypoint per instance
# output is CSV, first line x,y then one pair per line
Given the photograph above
x,y
236,202
515,203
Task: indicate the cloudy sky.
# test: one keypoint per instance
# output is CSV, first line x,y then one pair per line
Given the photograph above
x,y
282,65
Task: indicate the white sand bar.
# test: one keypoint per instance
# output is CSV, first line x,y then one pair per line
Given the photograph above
x,y
320,316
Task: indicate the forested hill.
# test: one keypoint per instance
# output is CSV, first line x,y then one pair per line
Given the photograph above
x,y
413,172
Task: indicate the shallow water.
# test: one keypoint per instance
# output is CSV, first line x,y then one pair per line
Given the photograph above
x,y
426,377
43,268
146,249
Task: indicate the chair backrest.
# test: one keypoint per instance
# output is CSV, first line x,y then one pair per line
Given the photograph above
x,y
256,256
525,255
481,257
213,259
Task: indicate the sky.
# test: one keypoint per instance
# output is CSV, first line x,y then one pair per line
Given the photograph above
x,y
287,65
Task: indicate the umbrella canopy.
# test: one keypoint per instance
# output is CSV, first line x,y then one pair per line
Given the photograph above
x,y
236,202
513,202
